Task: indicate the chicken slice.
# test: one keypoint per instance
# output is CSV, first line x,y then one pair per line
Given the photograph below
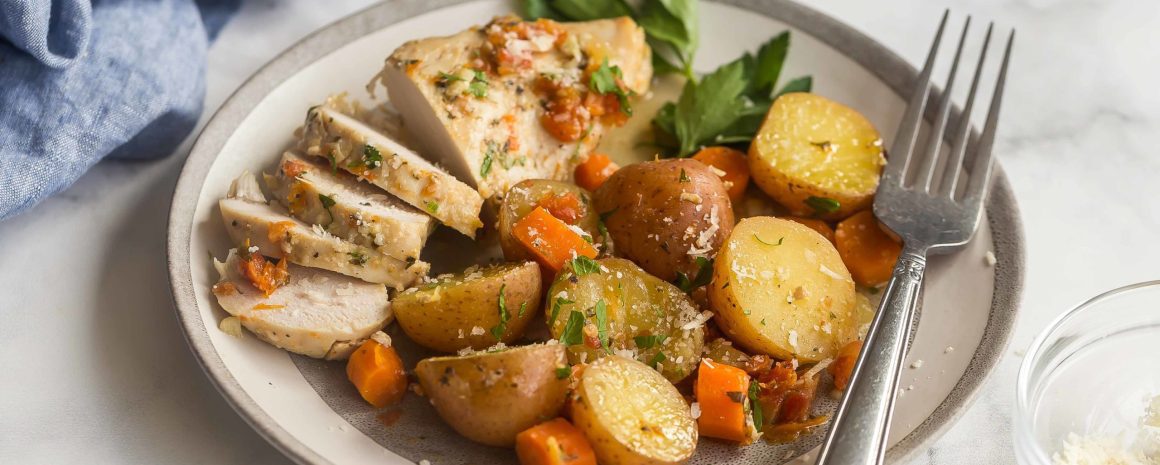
x,y
478,102
357,148
272,230
317,313
353,211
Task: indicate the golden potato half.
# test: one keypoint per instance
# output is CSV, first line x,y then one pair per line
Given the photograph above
x,y
489,397
817,157
779,288
632,414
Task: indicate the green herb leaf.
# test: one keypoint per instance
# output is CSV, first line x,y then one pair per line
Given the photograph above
x,y
755,405
371,157
657,359
582,265
607,80
478,86
709,107
704,275
587,10
523,309
447,78
327,202
564,372
498,330
671,26
573,330
601,311
485,167
358,258
333,163
823,204
802,84
560,301
536,9
650,341
769,61
759,239
431,206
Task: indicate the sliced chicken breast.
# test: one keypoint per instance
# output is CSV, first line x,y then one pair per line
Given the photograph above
x,y
353,211
514,100
275,232
317,313
357,148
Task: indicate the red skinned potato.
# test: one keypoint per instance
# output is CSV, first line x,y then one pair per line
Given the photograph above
x,y
666,214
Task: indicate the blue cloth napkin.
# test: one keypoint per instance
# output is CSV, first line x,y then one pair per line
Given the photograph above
x,y
82,80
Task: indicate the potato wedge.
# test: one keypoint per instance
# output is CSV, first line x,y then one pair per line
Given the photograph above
x,y
632,415
649,318
563,200
817,157
665,215
779,288
489,397
463,310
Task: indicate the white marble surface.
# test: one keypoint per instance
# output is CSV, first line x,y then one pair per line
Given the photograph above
x,y
94,369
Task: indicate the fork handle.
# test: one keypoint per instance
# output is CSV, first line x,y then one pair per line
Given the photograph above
x,y
859,429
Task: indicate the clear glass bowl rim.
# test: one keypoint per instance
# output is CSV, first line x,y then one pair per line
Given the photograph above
x,y
1022,424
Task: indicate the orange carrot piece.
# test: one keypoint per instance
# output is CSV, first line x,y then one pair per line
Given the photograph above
x,y
594,171
265,276
820,226
866,249
555,442
550,240
377,372
721,392
733,163
843,365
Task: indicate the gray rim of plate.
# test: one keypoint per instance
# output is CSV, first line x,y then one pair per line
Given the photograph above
x,y
1002,211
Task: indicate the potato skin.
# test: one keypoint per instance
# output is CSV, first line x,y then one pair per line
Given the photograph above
x,y
657,219
489,397
524,196
443,315
632,415
810,146
779,288
638,305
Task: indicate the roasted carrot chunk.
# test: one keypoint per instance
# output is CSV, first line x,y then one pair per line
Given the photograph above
x,y
723,394
843,365
377,372
866,249
820,226
265,276
550,241
566,206
555,442
594,171
731,165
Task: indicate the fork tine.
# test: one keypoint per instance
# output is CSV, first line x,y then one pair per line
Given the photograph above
x,y
928,162
904,140
981,168
955,164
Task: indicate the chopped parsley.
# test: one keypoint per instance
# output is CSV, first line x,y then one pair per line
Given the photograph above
x,y
371,159
582,265
485,167
560,301
657,359
824,145
327,202
759,239
431,206
478,86
601,311
573,330
564,372
609,80
823,204
704,275
648,342
755,405
498,330
358,258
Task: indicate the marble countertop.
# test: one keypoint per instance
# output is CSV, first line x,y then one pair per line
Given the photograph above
x,y
95,369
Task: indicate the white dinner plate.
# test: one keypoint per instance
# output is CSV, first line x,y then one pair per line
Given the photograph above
x,y
308,409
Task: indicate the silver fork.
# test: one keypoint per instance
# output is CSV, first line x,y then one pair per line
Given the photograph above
x,y
930,218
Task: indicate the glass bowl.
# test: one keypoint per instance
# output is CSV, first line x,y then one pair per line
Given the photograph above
x,y
1090,384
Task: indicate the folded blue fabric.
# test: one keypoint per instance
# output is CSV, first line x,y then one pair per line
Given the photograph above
x,y
80,81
